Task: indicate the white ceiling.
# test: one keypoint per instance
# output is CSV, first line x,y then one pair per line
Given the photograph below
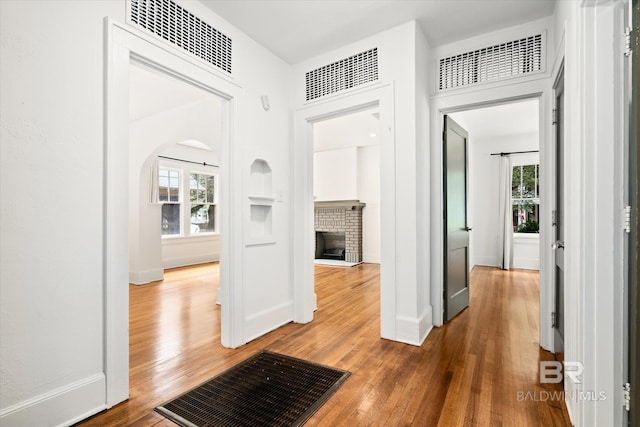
x,y
151,92
359,129
499,121
296,30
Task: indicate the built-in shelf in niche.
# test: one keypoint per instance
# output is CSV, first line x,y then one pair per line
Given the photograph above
x,y
260,181
261,201
260,220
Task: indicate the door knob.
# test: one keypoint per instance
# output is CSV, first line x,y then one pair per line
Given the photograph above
x,y
467,229
558,245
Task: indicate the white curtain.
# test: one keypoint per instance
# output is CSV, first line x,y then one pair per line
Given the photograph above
x,y
153,181
505,218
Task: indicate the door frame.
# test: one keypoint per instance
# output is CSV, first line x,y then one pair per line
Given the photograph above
x,y
633,251
123,42
449,103
380,95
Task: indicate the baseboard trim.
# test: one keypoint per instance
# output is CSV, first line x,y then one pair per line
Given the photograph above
x,y
190,260
414,331
148,276
268,320
487,261
60,407
527,263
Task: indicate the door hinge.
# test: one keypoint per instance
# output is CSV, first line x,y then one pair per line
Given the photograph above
x,y
554,320
554,218
627,219
626,391
554,116
444,295
630,40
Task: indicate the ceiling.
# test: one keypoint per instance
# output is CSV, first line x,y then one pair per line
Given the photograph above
x,y
296,30
360,129
499,121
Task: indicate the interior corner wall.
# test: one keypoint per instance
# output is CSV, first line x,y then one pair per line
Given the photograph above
x,y
51,250
423,60
410,320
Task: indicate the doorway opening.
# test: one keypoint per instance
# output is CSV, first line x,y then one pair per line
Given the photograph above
x,y
121,50
176,133
346,189
503,206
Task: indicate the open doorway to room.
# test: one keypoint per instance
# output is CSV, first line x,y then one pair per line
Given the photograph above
x,y
346,189
503,192
175,139
511,130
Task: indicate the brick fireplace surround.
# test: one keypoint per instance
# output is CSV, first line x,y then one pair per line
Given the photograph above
x,y
342,216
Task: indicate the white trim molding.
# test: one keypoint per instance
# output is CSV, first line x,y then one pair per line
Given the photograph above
x,y
60,406
381,96
122,43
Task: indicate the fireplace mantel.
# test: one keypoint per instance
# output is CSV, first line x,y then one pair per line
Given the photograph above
x,y
345,204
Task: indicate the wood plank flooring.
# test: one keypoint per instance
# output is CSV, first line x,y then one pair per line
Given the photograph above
x,y
481,369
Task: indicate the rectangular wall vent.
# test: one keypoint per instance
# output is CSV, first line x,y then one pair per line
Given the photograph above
x,y
344,74
491,63
173,23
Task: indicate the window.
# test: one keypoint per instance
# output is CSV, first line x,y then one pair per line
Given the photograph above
x,y
525,187
202,196
169,196
189,201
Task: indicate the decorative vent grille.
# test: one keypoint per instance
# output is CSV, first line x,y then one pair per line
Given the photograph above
x,y
344,74
504,60
180,27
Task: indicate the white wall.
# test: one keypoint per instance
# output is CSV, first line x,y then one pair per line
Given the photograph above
x,y
52,351
335,174
51,247
368,191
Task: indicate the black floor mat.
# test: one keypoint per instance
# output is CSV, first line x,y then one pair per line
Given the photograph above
x,y
268,389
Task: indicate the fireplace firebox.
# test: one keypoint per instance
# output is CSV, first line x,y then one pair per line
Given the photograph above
x,y
338,226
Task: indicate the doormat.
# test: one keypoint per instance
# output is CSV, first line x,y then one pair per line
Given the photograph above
x,y
267,389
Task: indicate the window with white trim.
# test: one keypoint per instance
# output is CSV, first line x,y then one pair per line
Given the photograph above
x,y
169,196
202,195
189,202
525,198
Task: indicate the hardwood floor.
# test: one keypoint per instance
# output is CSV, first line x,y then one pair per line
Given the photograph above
x,y
481,369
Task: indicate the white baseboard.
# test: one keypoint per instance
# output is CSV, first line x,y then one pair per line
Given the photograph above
x,y
190,260
488,261
414,330
268,320
527,263
142,277
63,406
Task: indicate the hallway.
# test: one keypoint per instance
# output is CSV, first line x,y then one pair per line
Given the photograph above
x,y
480,369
